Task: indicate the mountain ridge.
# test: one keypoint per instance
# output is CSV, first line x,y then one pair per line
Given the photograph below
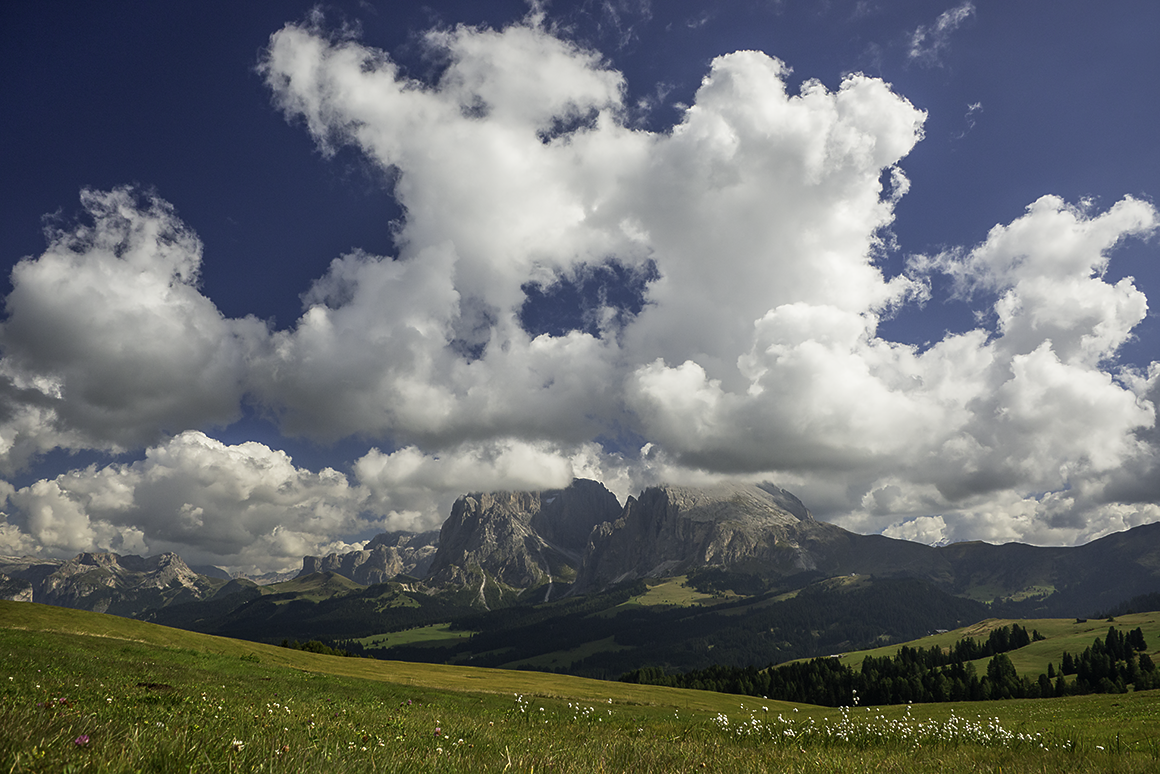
x,y
500,548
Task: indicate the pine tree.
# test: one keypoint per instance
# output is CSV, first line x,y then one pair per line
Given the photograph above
x,y
1114,643
1045,690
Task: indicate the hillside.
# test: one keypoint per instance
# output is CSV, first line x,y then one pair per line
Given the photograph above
x,y
94,692
671,625
1060,634
971,664
62,622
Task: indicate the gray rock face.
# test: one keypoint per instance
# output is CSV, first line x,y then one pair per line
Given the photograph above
x,y
14,590
671,530
104,582
519,539
386,555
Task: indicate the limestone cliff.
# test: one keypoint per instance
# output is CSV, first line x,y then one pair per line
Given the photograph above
x,y
519,539
670,530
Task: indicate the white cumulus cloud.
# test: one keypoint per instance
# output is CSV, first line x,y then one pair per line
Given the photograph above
x,y
758,222
245,506
108,342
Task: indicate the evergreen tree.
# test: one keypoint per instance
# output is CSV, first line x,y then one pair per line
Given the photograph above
x,y
1045,690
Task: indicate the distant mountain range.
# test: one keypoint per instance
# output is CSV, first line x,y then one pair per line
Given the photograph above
x,y
105,583
552,550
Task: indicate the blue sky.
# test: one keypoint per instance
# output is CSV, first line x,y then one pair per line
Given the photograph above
x,y
279,276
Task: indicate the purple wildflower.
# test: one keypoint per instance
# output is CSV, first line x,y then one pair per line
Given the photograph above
x,y
81,740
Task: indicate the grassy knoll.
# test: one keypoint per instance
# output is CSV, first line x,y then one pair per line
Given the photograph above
x,y
435,634
1061,634
85,692
670,591
315,587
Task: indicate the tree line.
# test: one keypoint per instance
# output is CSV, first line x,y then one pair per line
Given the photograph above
x,y
1112,664
932,674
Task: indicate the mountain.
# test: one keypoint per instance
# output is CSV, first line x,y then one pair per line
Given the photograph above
x,y
671,530
107,583
15,590
762,531
518,540
268,578
752,577
759,536
1027,581
385,557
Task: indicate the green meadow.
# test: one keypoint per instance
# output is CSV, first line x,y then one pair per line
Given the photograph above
x,y
433,634
1062,634
86,692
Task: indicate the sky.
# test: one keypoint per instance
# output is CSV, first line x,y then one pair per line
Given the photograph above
x,y
279,276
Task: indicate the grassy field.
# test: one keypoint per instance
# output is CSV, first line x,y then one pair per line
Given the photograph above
x,y
1061,633
85,692
314,588
435,634
671,591
565,658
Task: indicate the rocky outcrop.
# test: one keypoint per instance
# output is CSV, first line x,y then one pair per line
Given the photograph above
x,y
14,590
105,582
385,557
670,530
519,539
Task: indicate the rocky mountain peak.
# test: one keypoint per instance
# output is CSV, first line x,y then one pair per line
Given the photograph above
x,y
670,530
519,539
750,503
107,582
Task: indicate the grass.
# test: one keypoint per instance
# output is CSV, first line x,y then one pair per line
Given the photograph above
x,y
435,634
85,692
671,591
315,587
1061,633
565,658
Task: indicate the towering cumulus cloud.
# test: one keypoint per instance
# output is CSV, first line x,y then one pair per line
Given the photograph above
x,y
750,235
108,343
516,167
